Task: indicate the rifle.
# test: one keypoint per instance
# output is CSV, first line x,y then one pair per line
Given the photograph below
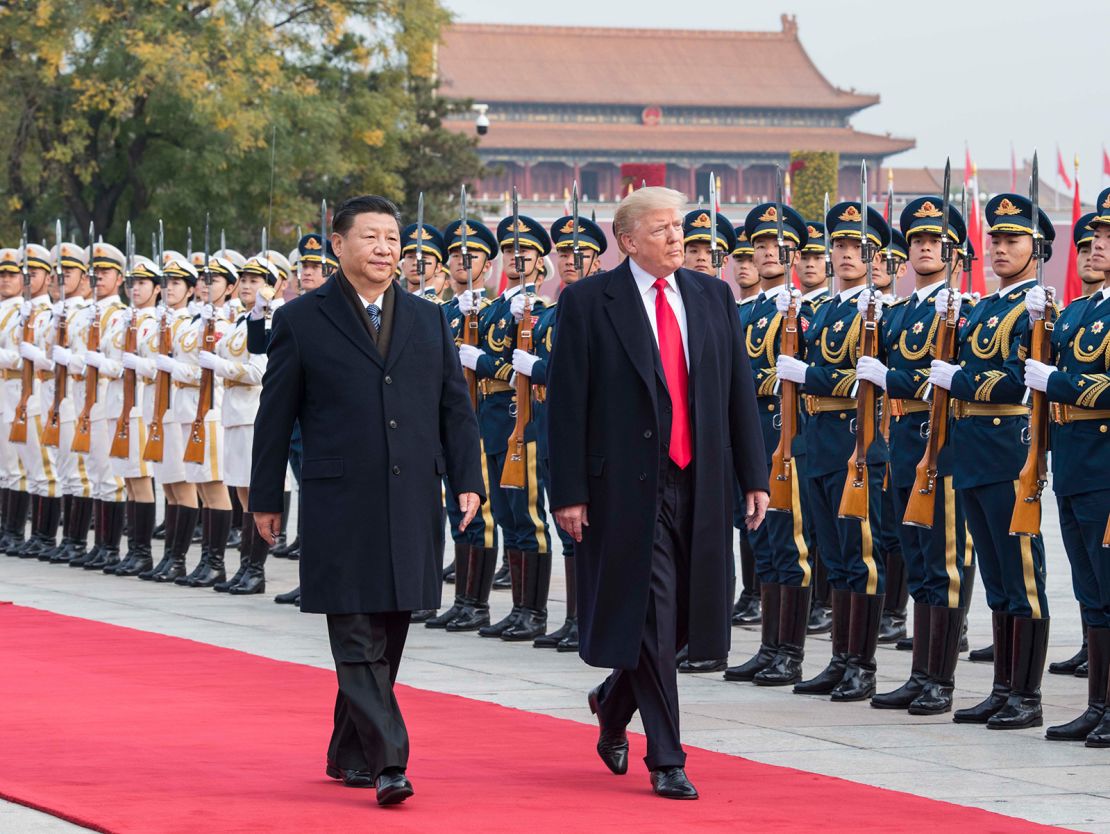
x,y
1026,518
854,501
155,438
470,323
18,433
324,239
121,443
51,432
1106,534
194,448
421,265
82,431
576,246
513,474
782,461
922,501
716,255
830,274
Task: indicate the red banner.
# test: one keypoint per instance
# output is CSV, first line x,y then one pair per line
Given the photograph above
x,y
636,174
1073,287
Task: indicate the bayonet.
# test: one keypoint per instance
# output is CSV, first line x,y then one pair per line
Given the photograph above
x,y
189,242
24,266
829,273
715,254
891,266
1035,220
420,264
866,249
464,248
58,264
129,263
518,258
576,244
324,238
207,242
945,239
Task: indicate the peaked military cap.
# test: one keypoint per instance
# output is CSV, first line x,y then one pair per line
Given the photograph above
x,y
590,235
478,236
743,242
144,267
1102,207
176,265
106,256
11,259
1082,232
763,220
815,231
312,252
844,220
926,214
1012,214
530,232
696,227
70,255
38,256
898,246
431,242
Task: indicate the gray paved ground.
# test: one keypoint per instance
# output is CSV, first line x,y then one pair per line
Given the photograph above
x,y
1015,773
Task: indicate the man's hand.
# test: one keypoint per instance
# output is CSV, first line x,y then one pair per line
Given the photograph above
x,y
1037,373
469,356
269,526
791,369
469,502
941,373
573,518
524,361
755,508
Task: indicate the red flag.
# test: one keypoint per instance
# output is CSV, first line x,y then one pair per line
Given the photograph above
x,y
1073,287
974,222
1105,163
503,283
1061,170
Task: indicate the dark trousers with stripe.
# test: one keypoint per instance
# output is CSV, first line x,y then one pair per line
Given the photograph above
x,y
520,513
781,552
1012,567
849,548
934,557
1082,524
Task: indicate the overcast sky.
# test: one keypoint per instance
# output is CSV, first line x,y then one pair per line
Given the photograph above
x,y
1030,71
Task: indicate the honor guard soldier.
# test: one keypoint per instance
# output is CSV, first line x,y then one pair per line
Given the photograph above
x,y
71,267
43,492
1078,389
836,429
930,552
138,323
431,243
744,273
523,519
13,480
475,547
591,244
811,265
781,553
696,242
989,439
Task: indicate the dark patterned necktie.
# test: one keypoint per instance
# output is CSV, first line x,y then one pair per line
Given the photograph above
x,y
375,313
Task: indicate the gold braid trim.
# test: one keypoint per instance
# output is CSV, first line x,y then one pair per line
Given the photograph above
x,y
1001,337
1099,383
929,346
844,387
1091,356
848,347
504,372
983,392
767,386
764,347
920,392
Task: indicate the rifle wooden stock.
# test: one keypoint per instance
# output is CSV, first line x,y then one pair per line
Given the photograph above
x,y
1106,534
155,438
52,431
18,433
853,501
121,442
514,474
194,447
82,430
1026,518
782,461
470,337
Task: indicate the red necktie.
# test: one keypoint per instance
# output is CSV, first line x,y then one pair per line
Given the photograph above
x,y
678,378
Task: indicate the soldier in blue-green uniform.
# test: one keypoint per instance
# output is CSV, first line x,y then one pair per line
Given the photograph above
x,y
591,243
848,546
476,547
815,291
520,513
1078,389
930,557
434,256
989,440
781,551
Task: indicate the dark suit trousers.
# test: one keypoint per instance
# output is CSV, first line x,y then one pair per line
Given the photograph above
x,y
369,732
652,687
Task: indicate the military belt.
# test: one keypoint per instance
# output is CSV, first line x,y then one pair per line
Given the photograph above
x,y
816,405
10,374
77,377
493,386
900,408
177,384
231,383
962,409
44,376
1063,413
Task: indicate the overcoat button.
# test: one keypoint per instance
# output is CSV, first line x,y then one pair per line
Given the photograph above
x,y
388,380
393,424
647,434
643,476
396,470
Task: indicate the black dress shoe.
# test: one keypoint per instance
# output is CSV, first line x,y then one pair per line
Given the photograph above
x,y
983,655
350,778
421,615
671,783
393,787
1069,666
904,645
747,611
1082,670
700,667
820,619
289,597
612,744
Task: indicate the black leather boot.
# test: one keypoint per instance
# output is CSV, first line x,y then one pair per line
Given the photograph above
x,y
1002,625
245,541
793,616
48,537
18,505
858,682
820,608
479,583
516,574
219,525
553,639
1100,735
82,519
1023,708
892,628
169,530
202,563
905,695
140,540
37,546
535,582
768,636
5,504
504,576
461,566
129,531
1069,666
179,547
944,652
1098,656
747,610
254,577
289,597
111,531
833,673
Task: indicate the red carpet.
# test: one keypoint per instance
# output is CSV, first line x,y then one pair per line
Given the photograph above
x,y
126,731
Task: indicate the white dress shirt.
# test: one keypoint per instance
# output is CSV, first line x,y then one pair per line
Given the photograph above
x,y
925,292
645,284
377,302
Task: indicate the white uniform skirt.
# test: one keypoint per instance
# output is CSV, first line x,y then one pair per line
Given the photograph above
x,y
132,466
211,468
172,468
238,441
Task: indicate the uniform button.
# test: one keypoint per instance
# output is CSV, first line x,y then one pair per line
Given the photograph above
x,y
396,470
843,416
647,434
962,364
643,476
393,424
770,406
389,380
1102,428
997,421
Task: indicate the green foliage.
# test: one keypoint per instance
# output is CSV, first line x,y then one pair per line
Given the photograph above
x,y
147,109
814,175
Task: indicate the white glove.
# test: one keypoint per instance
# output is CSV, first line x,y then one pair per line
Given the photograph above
x,y
791,369
36,355
214,363
783,299
261,305
61,355
166,364
469,356
160,311
207,312
126,315
942,305
94,358
863,301
870,369
130,361
1037,373
468,302
193,307
25,310
58,308
523,362
9,358
976,297
1035,301
144,367
517,306
941,373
